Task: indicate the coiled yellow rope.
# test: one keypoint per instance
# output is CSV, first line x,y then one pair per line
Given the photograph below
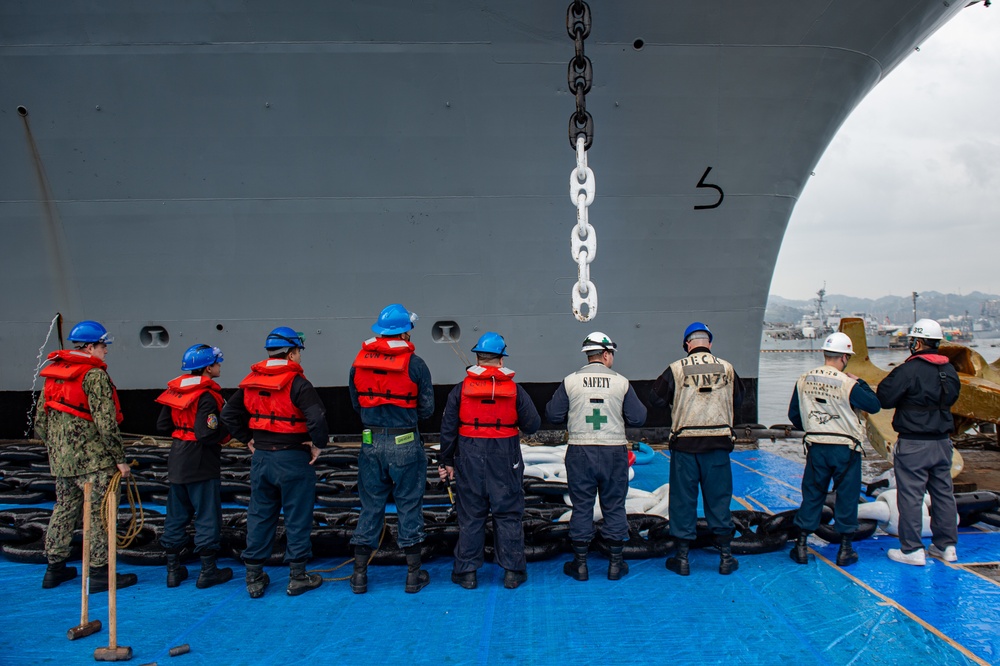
x,y
109,508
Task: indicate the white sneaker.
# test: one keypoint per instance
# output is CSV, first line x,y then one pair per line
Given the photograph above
x,y
949,554
917,558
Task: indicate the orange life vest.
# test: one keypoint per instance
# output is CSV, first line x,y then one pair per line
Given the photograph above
x,y
182,396
267,395
488,407
64,383
382,373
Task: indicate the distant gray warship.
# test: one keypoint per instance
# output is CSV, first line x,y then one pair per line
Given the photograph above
x,y
202,172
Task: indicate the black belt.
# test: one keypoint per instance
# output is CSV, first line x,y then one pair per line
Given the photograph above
x,y
390,431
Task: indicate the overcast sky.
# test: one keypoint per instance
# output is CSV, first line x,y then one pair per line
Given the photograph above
x,y
908,193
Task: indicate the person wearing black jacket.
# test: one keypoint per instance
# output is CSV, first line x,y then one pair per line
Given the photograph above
x,y
280,416
703,392
481,451
191,406
922,391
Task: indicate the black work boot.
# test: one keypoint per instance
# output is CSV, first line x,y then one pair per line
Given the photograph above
x,y
846,555
467,579
800,551
300,582
416,578
727,563
257,581
359,579
176,572
99,579
577,567
56,573
512,579
679,563
210,574
617,566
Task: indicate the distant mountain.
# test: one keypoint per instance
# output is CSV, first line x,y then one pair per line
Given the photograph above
x,y
899,309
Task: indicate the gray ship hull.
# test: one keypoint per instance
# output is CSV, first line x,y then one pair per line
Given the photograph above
x,y
192,173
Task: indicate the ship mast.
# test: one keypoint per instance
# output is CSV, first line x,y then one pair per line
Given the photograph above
x,y
819,305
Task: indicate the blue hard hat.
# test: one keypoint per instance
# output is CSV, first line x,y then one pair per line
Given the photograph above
x,y
394,320
285,337
491,343
90,331
694,328
200,356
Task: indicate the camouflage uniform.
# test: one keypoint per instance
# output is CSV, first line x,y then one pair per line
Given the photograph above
x,y
81,451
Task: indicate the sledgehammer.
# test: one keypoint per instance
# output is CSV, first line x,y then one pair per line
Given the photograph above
x,y
85,628
113,652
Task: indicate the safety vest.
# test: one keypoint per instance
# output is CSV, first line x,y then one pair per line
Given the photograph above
x,y
382,373
596,394
64,383
825,405
703,396
182,396
267,396
488,407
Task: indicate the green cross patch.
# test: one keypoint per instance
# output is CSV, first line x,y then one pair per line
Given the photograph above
x,y
596,419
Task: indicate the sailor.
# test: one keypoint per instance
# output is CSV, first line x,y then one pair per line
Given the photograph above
x,y
391,389
77,417
704,392
922,391
280,416
481,452
827,403
596,403
190,413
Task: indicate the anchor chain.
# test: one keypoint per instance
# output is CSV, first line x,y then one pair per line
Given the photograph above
x,y
583,238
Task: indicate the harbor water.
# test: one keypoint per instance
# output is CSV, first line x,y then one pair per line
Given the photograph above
x,y
778,374
780,370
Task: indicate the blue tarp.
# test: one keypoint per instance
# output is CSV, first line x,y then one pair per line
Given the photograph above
x,y
770,611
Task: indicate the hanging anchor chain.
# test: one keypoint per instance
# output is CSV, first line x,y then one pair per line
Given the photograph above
x,y
583,238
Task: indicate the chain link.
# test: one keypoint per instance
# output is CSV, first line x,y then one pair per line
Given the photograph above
x,y
583,238
580,75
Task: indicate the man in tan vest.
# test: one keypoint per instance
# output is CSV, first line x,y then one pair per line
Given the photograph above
x,y
827,404
703,392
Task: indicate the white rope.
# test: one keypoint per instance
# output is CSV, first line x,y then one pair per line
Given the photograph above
x,y
34,379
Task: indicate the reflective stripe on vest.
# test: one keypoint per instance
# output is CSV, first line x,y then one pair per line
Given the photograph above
x,y
703,396
64,383
825,405
267,396
382,373
182,396
488,405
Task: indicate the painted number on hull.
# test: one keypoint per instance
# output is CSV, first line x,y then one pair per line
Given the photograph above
x,y
702,183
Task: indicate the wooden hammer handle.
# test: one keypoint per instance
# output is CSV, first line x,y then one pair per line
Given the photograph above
x,y
88,488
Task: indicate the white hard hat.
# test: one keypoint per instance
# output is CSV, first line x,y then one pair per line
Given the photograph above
x,y
838,343
598,342
928,329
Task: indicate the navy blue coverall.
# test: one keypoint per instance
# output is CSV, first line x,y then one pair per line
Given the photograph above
x,y
832,461
488,477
